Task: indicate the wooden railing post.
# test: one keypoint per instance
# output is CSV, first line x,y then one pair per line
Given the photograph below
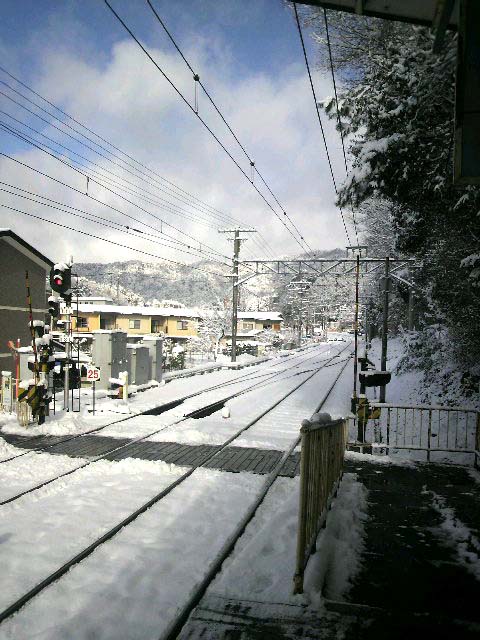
x,y
321,462
301,534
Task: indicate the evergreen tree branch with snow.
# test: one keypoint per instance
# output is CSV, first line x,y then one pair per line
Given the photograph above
x,y
396,108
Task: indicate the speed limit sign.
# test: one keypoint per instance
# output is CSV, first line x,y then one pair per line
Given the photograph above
x,y
93,374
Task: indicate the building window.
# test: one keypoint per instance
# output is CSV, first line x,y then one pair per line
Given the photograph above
x,y
182,325
248,326
157,326
134,324
82,323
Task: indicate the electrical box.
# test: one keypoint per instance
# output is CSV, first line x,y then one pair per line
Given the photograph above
x,y
138,363
155,347
375,378
109,353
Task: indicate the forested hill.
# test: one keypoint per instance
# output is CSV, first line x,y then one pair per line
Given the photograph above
x,y
198,284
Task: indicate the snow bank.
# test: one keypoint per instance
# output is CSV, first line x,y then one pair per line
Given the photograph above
x,y
263,562
455,534
337,560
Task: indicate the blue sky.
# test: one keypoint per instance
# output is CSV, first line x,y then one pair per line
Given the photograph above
x,y
248,55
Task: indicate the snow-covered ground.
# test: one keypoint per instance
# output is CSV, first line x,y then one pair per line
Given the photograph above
x,y
134,585
111,410
449,430
138,580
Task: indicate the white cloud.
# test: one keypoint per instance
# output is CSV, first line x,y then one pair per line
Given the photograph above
x,y
127,101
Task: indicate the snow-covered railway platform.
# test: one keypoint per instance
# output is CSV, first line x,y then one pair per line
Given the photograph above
x,y
399,557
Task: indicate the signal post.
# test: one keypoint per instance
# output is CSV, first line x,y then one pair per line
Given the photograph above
x,y
61,282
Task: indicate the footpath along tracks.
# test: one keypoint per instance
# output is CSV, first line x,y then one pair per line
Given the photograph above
x,y
243,497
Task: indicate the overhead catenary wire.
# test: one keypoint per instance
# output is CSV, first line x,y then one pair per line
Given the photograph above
x,y
123,213
136,189
118,244
339,122
74,211
224,120
96,181
206,126
129,157
205,208
318,115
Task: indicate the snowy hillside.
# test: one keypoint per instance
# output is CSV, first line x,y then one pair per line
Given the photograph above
x,y
146,282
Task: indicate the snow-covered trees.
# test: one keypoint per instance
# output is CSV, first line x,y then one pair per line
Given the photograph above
x,y
396,106
212,328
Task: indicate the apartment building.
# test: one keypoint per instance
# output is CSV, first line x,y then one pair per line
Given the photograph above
x,y
173,322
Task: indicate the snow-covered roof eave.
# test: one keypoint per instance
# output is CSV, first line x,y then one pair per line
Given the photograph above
x,y
274,316
138,311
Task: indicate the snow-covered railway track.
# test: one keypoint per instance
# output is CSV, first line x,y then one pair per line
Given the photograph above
x,y
117,446
181,479
162,408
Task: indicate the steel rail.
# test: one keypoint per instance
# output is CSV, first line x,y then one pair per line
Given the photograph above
x,y
193,414
171,404
23,600
176,625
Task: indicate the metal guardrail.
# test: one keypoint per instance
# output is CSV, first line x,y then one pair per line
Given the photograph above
x,y
321,466
429,428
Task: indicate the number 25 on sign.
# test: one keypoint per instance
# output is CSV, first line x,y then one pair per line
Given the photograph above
x,y
93,374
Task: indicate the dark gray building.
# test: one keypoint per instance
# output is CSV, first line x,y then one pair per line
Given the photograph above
x,y
16,257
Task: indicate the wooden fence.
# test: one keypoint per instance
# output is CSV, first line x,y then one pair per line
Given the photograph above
x,y
321,466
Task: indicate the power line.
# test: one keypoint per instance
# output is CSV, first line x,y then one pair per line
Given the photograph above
x,y
64,184
60,206
104,186
318,115
130,158
219,112
118,244
340,129
180,210
225,218
215,137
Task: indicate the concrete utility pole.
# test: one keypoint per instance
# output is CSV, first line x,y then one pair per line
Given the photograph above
x,y
235,282
386,294
355,362
411,302
236,254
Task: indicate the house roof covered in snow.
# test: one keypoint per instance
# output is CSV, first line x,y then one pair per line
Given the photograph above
x,y
124,310
97,299
275,316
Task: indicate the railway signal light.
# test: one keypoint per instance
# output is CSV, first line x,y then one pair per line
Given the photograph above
x,y
53,306
61,280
